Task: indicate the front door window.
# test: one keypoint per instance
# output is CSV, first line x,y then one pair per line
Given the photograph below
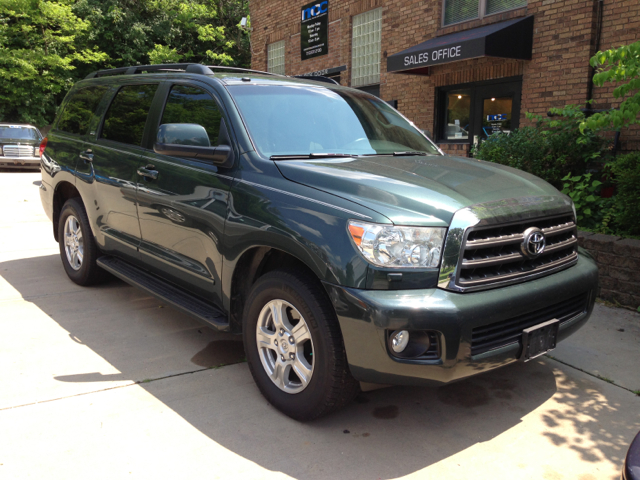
x,y
496,115
473,112
458,115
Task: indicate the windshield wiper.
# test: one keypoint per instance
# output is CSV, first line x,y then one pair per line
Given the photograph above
x,y
296,156
403,154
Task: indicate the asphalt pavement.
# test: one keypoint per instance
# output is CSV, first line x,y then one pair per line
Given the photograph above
x,y
107,382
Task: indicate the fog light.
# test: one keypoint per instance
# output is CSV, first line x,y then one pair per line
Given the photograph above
x,y
399,340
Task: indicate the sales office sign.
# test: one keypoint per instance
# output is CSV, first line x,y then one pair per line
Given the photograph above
x,y
435,55
314,29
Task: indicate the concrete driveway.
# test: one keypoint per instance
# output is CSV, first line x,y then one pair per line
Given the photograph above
x,y
106,382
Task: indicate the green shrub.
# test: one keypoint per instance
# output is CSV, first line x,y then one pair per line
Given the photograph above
x,y
551,150
585,194
626,171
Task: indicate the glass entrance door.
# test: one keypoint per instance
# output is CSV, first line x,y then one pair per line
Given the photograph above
x,y
471,113
496,115
497,110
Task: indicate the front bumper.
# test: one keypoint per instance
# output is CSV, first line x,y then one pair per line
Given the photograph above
x,y
19,162
366,316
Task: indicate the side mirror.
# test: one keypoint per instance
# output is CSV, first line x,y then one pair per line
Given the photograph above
x,y
183,134
191,141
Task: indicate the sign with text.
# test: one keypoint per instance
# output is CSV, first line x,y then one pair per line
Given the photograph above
x,y
314,29
435,56
509,39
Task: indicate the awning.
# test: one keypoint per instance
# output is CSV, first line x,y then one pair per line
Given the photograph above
x,y
510,39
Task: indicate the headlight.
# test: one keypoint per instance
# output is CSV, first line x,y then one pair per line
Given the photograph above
x,y
391,246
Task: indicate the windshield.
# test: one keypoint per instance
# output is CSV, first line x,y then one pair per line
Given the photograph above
x,y
18,132
302,120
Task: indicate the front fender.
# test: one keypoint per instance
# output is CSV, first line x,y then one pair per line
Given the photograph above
x,y
305,223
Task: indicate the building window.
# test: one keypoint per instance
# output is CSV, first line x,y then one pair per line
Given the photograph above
x,y
275,57
456,11
473,112
457,114
365,48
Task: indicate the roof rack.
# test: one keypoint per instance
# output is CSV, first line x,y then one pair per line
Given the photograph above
x,y
317,78
173,67
238,69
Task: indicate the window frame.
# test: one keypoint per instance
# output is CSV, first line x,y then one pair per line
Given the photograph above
x,y
56,126
284,55
511,84
165,101
353,27
158,107
118,88
482,8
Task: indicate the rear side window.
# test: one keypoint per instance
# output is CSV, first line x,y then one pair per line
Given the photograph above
x,y
78,111
193,105
127,114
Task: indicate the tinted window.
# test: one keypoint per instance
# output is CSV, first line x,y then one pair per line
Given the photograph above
x,y
77,113
125,119
18,132
192,105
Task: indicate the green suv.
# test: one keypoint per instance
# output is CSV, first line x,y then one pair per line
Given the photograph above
x,y
316,221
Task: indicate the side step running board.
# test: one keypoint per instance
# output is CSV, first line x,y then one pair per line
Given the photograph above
x,y
165,291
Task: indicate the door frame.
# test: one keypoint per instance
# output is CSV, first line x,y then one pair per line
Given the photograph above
x,y
479,90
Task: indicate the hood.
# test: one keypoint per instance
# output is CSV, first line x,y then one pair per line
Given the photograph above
x,y
416,190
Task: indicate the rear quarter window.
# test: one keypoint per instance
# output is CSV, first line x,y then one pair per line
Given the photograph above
x,y
127,115
76,115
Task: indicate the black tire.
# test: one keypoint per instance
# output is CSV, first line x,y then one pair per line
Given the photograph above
x,y
331,386
88,272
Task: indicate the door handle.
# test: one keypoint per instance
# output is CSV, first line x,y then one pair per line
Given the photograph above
x,y
87,156
148,172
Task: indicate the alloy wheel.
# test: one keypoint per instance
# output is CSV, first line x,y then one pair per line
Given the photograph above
x,y
285,346
73,242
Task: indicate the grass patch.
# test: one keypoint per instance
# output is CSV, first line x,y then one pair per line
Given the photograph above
x,y
615,304
606,379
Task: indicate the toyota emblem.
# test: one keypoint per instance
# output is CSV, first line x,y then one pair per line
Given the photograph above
x,y
533,243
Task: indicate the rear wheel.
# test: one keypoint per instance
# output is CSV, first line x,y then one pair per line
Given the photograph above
x,y
78,249
294,346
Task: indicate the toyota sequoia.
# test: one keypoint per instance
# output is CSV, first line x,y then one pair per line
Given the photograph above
x,y
317,222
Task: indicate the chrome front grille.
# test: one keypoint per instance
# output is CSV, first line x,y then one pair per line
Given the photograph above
x,y
18,151
493,255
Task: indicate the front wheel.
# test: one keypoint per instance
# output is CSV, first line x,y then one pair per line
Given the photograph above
x,y
294,346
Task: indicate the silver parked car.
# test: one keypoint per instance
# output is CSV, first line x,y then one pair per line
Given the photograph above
x,y
19,145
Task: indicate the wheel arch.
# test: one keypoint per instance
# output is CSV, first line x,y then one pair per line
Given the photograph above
x,y
63,192
250,266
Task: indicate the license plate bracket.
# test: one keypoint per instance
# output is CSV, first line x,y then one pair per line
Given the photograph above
x,y
539,339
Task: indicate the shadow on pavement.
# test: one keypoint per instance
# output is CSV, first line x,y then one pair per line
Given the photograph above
x,y
387,433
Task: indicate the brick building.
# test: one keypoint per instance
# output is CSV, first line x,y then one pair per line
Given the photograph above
x,y
460,69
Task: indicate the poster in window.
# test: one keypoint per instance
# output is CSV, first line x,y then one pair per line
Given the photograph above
x,y
314,30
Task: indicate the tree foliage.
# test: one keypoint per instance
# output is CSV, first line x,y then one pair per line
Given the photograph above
x,y
620,66
46,46
159,31
40,48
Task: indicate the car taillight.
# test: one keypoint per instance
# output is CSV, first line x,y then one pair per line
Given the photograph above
x,y
43,145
